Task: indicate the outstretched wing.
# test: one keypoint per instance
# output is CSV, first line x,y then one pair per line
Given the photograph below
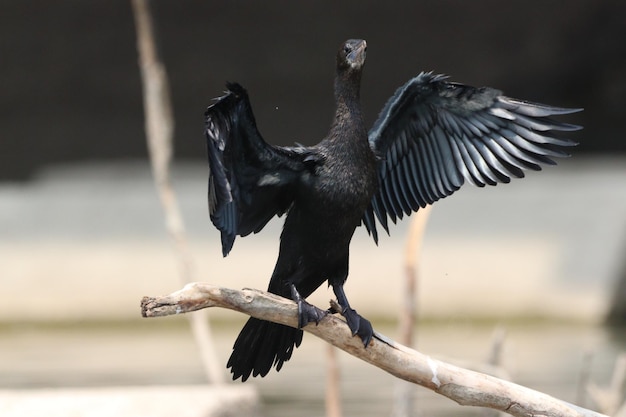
x,y
432,135
250,181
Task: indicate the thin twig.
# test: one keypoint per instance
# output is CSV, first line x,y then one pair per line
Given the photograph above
x,y
610,399
413,249
584,379
494,359
333,389
159,134
461,385
403,395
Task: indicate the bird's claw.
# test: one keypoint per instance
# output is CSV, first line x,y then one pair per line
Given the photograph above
x,y
358,325
308,313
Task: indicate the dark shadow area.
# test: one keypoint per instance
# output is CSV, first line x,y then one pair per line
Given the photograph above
x,y
71,91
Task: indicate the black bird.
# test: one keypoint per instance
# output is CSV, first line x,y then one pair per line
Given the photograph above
x,y
430,137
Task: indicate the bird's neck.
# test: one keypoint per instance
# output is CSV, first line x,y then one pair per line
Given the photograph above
x,y
348,111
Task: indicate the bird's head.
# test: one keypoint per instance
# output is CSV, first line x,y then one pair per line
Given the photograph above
x,y
351,55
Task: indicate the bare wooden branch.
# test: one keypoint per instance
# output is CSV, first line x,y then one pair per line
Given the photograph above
x,y
333,386
413,248
610,399
403,395
159,134
584,379
463,386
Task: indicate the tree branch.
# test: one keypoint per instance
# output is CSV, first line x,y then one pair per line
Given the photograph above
x,y
159,124
463,386
403,403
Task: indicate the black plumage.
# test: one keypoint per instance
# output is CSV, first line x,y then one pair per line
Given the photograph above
x,y
430,137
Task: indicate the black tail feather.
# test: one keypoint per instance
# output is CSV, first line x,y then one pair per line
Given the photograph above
x,y
261,345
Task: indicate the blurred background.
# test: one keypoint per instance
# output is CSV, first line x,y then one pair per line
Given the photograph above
x,y
82,237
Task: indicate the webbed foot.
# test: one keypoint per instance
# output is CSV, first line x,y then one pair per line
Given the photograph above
x,y
358,325
307,313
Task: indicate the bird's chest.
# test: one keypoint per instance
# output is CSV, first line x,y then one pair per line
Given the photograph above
x,y
342,188
327,209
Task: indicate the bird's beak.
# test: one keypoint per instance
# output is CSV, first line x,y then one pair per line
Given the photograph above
x,y
356,58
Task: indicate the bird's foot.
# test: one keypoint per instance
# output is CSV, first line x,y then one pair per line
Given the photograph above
x,y
308,313
358,324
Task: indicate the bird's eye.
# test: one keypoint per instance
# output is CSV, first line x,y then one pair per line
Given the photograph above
x,y
347,49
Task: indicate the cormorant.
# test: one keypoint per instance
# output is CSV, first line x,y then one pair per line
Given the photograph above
x,y
430,137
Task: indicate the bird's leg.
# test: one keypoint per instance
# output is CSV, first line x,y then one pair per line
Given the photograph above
x,y
307,313
357,323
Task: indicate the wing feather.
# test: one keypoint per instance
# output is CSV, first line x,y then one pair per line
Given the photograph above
x,y
433,134
424,167
415,178
512,164
250,181
447,172
414,200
